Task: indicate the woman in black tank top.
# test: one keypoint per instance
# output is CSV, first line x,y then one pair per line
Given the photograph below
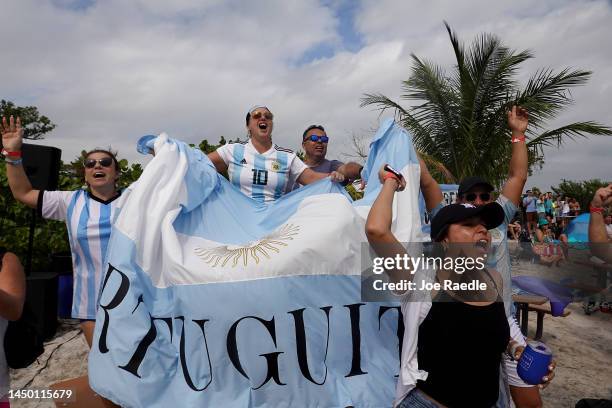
x,y
460,345
465,332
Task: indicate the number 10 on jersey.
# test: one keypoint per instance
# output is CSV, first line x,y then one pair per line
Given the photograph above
x,y
260,177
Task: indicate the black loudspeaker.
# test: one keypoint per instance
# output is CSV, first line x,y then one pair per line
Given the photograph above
x,y
42,165
61,263
41,297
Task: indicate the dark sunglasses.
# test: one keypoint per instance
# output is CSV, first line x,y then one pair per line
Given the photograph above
x,y
317,138
471,197
257,115
104,162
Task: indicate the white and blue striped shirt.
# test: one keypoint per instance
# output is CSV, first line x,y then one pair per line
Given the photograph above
x,y
262,176
88,220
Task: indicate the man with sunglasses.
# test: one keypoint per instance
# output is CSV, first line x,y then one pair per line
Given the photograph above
x,y
478,192
88,215
314,143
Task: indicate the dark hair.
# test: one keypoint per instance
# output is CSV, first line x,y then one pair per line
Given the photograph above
x,y
309,128
107,152
443,234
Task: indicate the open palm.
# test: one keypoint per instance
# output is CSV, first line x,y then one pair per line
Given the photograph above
x,y
12,134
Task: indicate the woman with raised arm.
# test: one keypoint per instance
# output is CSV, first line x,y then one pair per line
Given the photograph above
x,y
88,215
453,343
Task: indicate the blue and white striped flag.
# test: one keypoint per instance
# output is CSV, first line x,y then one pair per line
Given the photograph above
x,y
212,299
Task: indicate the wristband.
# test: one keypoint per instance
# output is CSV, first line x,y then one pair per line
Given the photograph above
x,y
392,176
389,175
14,162
596,209
517,139
6,153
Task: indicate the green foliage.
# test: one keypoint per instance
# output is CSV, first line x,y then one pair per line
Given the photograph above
x,y
208,148
582,191
459,118
35,125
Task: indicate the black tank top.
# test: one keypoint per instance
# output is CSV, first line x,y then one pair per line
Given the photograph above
x,y
460,346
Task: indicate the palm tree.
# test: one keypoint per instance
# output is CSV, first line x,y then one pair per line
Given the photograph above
x,y
459,121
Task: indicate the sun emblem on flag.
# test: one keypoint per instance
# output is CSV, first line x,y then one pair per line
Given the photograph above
x,y
272,243
276,166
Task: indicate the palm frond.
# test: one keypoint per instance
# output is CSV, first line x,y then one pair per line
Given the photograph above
x,y
556,137
462,80
438,112
547,93
422,136
382,103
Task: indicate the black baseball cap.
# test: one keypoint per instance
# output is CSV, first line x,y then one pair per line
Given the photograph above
x,y
492,214
469,182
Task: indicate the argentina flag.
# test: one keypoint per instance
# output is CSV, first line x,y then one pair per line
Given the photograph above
x,y
212,299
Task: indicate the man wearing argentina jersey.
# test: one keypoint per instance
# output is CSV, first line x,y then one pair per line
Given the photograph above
x,y
88,215
262,170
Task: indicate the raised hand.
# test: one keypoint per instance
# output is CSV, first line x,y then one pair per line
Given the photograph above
x,y
401,184
12,134
518,119
602,197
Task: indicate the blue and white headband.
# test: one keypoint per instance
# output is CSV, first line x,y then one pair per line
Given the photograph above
x,y
257,107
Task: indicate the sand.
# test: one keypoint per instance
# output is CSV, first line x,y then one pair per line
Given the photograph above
x,y
65,357
582,345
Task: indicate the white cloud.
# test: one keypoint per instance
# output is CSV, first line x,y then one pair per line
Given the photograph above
x,y
115,70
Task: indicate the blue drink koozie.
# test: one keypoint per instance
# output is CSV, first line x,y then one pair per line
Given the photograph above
x,y
534,362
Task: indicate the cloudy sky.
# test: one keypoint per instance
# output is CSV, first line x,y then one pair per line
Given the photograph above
x,y
108,72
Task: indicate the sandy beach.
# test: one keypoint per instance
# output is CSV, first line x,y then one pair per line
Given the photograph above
x,y
582,345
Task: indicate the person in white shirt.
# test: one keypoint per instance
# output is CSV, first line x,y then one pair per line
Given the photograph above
x,y
88,215
261,169
12,297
